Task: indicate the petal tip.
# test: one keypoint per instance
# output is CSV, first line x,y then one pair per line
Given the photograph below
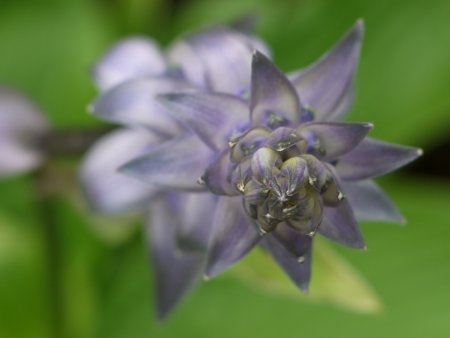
x,y
211,270
257,57
90,108
369,125
304,288
359,27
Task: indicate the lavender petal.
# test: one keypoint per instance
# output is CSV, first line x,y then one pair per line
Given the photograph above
x,y
232,236
369,202
213,117
21,125
273,101
175,272
327,85
339,225
16,159
175,164
217,176
106,189
299,245
373,158
132,58
336,138
194,230
134,103
298,271
218,59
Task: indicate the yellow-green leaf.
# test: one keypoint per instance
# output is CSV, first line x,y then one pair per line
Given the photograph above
x,y
334,280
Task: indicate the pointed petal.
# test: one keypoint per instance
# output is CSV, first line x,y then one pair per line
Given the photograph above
x,y
373,158
299,273
21,126
283,138
233,236
132,58
335,138
299,245
18,114
213,117
217,176
293,172
370,203
194,230
339,225
106,189
217,59
273,101
16,159
327,85
177,164
175,272
263,163
134,103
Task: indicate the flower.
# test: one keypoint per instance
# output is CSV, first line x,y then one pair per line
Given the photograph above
x,y
281,166
130,76
21,126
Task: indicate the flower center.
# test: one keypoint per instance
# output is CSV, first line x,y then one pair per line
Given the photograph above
x,y
282,179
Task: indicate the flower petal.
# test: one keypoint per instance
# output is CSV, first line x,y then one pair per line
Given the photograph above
x,y
134,103
197,219
233,236
298,272
132,58
106,189
18,114
327,85
339,225
373,158
335,138
292,175
21,126
16,159
214,117
283,138
175,272
217,176
177,164
217,59
273,101
263,163
299,245
370,203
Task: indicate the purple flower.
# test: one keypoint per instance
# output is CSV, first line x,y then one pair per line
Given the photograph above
x,y
21,126
279,164
130,76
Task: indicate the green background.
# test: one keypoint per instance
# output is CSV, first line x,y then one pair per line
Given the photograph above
x,y
65,273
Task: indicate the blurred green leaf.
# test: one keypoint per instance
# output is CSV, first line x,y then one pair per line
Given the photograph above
x,y
334,280
49,52
24,310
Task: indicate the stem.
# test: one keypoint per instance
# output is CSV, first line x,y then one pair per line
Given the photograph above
x,y
52,240
58,143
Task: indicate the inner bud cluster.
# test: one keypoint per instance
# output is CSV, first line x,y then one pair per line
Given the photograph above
x,y
282,179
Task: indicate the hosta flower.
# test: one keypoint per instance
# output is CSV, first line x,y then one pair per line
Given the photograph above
x,y
282,167
130,76
21,127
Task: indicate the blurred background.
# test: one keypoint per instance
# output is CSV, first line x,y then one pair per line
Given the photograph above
x,y
66,273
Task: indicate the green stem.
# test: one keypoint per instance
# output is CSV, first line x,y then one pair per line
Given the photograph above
x,y
52,242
